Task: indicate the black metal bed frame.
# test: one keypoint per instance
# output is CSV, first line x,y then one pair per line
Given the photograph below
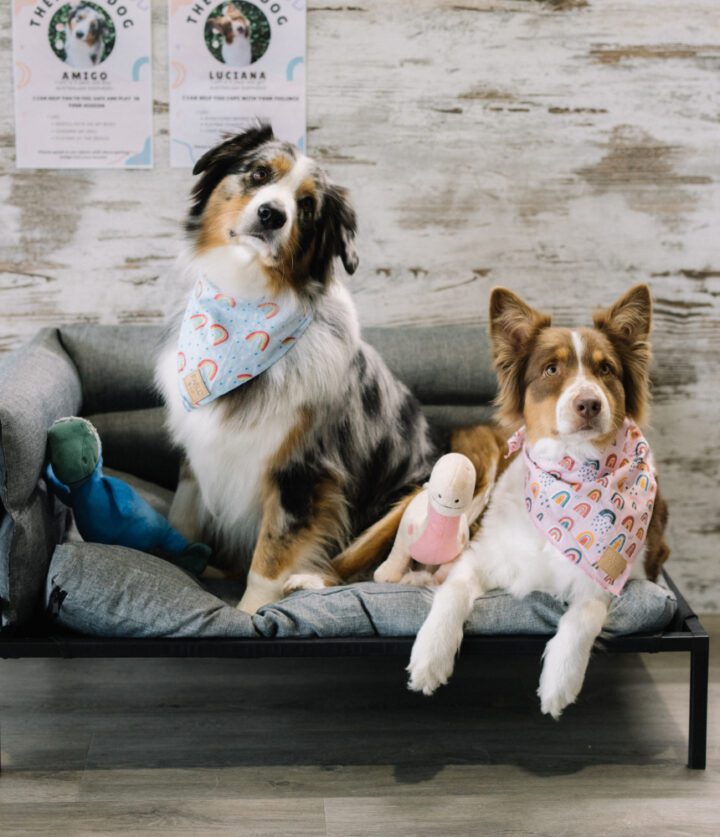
x,y
686,633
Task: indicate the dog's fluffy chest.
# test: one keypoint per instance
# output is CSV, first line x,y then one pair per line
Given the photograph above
x,y
228,458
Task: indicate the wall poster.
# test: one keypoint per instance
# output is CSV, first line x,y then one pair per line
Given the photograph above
x,y
83,83
232,63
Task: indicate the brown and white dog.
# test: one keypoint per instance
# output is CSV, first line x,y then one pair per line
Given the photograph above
x,y
234,29
572,389
85,38
282,472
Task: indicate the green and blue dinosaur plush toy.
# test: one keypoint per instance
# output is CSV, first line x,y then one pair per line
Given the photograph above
x,y
106,509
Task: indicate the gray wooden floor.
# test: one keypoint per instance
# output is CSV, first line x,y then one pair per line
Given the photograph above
x,y
317,747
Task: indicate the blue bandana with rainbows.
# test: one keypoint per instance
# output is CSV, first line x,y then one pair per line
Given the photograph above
x,y
226,341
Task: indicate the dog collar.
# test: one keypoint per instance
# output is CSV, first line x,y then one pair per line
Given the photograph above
x,y
226,341
595,512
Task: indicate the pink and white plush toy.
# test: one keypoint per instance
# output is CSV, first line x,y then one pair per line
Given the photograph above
x,y
435,528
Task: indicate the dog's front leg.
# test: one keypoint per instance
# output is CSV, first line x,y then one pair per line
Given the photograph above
x,y
433,655
187,509
293,547
567,654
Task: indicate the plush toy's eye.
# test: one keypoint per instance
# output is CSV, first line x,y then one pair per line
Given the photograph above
x,y
260,175
551,369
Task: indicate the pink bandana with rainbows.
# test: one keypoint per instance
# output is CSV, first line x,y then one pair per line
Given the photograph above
x,y
226,341
596,512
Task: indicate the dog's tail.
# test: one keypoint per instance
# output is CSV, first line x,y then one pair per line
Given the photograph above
x,y
484,446
370,548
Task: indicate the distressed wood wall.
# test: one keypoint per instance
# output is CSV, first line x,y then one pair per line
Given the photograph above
x,y
563,148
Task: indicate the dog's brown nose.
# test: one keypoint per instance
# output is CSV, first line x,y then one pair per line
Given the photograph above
x,y
588,408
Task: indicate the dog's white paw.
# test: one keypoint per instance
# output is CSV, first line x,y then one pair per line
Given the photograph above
x,y
387,573
304,581
418,578
560,681
259,591
430,666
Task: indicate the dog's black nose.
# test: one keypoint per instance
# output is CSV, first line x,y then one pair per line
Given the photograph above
x,y
588,408
79,34
271,217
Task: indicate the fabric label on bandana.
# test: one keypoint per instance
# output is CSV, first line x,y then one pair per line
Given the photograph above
x,y
595,512
226,341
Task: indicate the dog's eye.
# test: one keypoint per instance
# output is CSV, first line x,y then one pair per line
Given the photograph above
x,y
306,205
260,175
606,368
551,369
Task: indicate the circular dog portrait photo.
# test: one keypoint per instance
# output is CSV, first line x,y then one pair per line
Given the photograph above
x,y
82,34
237,33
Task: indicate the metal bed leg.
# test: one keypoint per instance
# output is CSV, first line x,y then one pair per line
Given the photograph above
x,y
697,736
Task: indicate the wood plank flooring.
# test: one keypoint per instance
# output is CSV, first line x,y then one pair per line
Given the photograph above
x,y
341,748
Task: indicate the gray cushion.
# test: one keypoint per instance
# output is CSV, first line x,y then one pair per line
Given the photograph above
x,y
116,365
38,384
106,372
112,591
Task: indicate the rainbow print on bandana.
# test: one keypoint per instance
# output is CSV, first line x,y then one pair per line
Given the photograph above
x,y
226,341
562,498
586,539
210,365
262,339
270,308
227,299
574,554
617,543
220,332
643,482
617,501
550,485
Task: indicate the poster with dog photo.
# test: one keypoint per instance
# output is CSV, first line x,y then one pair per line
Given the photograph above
x,y
83,85
233,62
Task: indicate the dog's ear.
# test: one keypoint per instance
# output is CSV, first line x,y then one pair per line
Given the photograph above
x,y
221,160
234,148
627,323
336,228
514,325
